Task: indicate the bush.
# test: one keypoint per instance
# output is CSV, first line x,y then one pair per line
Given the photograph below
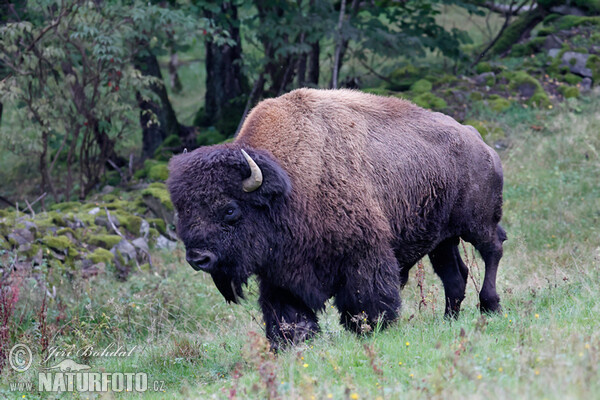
x,y
421,86
158,172
431,101
569,91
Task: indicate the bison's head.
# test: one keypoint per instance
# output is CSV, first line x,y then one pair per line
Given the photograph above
x,y
227,200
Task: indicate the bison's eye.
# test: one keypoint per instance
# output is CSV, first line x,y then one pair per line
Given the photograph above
x,y
231,213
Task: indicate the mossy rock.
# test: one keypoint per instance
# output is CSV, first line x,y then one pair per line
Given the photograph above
x,y
540,99
158,172
571,21
57,219
421,86
101,255
4,244
159,224
571,79
103,240
431,101
31,249
157,198
68,205
6,213
60,242
63,231
593,63
210,136
519,79
500,104
569,91
131,222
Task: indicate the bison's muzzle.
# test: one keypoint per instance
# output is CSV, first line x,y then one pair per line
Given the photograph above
x,y
201,260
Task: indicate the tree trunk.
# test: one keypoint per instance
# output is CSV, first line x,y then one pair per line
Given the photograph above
x,y
224,79
155,134
313,64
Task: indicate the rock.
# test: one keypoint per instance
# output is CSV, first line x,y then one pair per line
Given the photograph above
x,y
21,236
586,84
483,79
576,63
94,211
144,228
552,42
567,10
141,244
107,189
164,243
526,89
553,52
75,224
103,221
126,249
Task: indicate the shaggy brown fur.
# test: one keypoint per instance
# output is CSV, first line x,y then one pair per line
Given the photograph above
x,y
363,187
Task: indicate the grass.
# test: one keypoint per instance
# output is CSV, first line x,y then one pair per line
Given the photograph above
x,y
545,344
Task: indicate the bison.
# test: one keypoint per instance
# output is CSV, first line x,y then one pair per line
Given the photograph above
x,y
338,193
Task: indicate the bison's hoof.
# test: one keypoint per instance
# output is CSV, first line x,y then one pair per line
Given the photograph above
x,y
490,306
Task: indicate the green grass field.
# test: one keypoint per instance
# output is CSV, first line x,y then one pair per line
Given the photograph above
x,y
545,344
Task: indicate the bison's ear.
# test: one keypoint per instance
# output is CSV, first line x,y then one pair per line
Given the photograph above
x,y
275,181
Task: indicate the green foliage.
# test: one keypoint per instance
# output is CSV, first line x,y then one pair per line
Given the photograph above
x,y
571,21
568,91
421,86
165,151
209,137
158,172
571,79
483,67
431,101
403,78
500,104
593,63
532,46
75,89
377,91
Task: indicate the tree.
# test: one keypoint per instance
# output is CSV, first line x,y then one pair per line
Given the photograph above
x,y
226,85
74,86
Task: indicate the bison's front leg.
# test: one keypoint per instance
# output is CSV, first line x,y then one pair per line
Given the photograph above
x,y
287,319
370,295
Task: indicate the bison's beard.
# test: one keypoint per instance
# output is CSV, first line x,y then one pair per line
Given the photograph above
x,y
230,287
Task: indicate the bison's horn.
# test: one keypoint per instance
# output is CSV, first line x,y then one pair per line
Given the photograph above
x,y
253,182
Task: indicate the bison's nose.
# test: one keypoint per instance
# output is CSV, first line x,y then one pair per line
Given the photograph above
x,y
201,259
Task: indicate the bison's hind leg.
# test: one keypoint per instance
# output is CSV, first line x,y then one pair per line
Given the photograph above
x,y
490,248
287,319
453,272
